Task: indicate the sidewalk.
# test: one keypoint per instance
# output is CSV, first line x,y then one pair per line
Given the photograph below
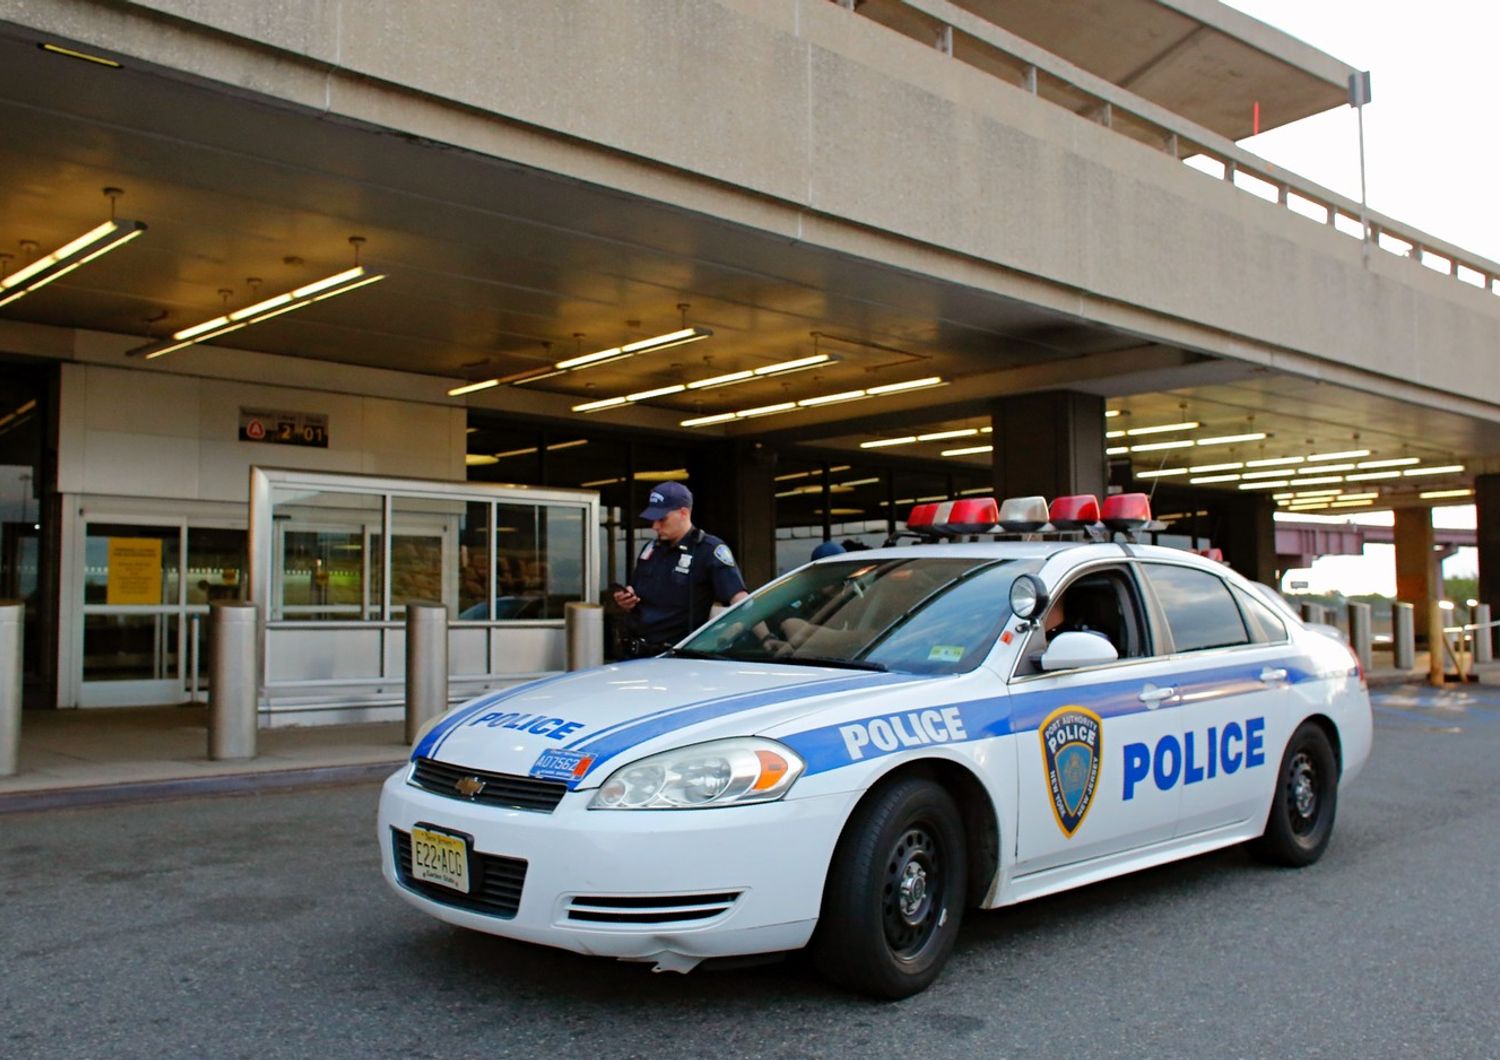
x,y
92,757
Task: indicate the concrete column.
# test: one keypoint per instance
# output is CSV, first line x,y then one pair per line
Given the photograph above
x,y
1416,569
1487,537
426,665
232,688
1049,444
12,622
1484,650
1249,536
734,498
1403,645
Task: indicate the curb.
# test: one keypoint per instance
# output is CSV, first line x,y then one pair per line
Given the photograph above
x,y
192,787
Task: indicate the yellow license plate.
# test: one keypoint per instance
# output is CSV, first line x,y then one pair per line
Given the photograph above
x,y
439,858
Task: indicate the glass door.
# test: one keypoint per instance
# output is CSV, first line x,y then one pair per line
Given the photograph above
x,y
134,600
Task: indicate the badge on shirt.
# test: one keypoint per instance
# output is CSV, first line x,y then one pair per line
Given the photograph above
x,y
724,556
684,561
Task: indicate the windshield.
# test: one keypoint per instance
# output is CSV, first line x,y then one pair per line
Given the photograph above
x,y
928,615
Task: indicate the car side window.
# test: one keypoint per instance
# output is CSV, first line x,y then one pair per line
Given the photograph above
x,y
1103,602
1264,622
1200,611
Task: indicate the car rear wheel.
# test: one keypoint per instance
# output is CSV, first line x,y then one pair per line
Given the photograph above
x,y
895,892
1307,791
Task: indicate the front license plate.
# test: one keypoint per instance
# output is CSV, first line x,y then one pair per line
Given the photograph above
x,y
439,858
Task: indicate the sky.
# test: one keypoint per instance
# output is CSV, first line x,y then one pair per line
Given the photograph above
x,y
1430,159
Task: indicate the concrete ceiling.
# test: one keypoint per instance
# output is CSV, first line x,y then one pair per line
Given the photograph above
x,y
494,268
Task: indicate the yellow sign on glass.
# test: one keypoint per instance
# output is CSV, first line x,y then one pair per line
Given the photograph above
x,y
134,571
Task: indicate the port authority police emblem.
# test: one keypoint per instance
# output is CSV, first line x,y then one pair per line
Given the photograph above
x,y
1072,749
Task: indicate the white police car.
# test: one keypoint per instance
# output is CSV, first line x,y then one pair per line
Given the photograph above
x,y
867,747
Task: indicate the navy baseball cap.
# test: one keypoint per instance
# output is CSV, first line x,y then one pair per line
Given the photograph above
x,y
667,497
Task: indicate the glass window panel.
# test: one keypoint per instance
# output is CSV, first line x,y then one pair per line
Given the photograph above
x,y
331,558
474,562
564,556
1199,609
424,552
126,564
129,647
216,564
519,591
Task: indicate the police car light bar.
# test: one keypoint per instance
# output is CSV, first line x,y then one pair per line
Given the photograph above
x,y
1023,515
1126,512
971,515
1075,513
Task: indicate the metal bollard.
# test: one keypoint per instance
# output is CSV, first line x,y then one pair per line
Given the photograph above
x,y
1403,635
1315,613
426,665
12,622
585,629
1484,644
1359,632
1436,641
232,690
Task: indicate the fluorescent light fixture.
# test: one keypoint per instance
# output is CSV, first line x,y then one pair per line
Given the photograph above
x,y
1320,481
1274,461
1110,414
1324,469
1371,476
1162,428
1446,469
479,459
1361,496
881,443
469,388
94,243
1319,493
780,368
824,399
969,450
1166,472
1350,504
1203,480
1114,434
98,60
1348,454
1151,447
1434,495
938,436
299,298
1208,468
1274,484
1231,439
630,349
1117,450
1267,474
1400,461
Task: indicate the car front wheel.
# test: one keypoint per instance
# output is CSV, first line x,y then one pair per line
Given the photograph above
x,y
1307,791
895,892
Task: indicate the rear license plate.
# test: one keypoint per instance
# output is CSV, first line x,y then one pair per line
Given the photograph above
x,y
439,858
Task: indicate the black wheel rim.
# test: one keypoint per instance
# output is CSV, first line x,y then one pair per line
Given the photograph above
x,y
912,900
1304,794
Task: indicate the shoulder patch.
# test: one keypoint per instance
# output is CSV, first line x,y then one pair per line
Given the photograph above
x,y
724,556
650,548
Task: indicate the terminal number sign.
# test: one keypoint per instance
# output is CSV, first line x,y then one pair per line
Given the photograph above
x,y
279,427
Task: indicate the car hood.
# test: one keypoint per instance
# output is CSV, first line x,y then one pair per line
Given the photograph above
x,y
577,727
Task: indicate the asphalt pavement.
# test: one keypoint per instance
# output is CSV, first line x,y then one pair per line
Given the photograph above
x,y
258,926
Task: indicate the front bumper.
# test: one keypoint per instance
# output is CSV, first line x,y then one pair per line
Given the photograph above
x,y
669,886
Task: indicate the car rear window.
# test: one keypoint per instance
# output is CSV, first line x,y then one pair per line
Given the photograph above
x,y
1201,613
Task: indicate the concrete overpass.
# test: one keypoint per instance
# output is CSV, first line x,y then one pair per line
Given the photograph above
x,y
992,197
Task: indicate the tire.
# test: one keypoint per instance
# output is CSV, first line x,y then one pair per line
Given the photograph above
x,y
895,894
1307,793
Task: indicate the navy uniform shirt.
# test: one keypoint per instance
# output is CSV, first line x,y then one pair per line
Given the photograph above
x,y
678,584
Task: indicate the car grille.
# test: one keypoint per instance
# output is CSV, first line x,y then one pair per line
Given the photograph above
x,y
495,886
650,909
500,789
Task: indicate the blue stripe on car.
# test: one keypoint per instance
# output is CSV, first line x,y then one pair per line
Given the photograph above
x,y
434,739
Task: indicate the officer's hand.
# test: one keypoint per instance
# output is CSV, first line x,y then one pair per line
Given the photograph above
x,y
626,598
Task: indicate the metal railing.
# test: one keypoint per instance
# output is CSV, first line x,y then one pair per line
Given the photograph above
x,y
969,38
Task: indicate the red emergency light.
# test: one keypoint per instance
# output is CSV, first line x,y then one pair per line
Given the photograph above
x,y
1215,554
1126,511
971,515
1075,513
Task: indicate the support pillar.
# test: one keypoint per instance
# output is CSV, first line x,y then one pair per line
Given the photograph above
x,y
1487,537
734,491
1416,566
1249,536
1049,444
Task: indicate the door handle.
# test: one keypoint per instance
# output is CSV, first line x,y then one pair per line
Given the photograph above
x,y
1270,674
1153,696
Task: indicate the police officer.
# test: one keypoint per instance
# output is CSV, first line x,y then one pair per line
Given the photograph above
x,y
678,577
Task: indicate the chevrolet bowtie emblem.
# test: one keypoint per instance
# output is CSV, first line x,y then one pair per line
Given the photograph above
x,y
469,786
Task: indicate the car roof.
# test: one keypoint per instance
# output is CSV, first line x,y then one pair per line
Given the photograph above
x,y
1034,549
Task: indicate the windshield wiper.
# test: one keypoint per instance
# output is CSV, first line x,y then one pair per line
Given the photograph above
x,y
691,653
823,660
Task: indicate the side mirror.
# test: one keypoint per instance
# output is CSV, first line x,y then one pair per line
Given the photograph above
x,y
1070,651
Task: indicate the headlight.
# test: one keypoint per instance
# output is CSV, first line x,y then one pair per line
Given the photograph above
x,y
721,773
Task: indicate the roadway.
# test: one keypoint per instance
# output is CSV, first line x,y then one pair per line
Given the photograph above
x,y
259,926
